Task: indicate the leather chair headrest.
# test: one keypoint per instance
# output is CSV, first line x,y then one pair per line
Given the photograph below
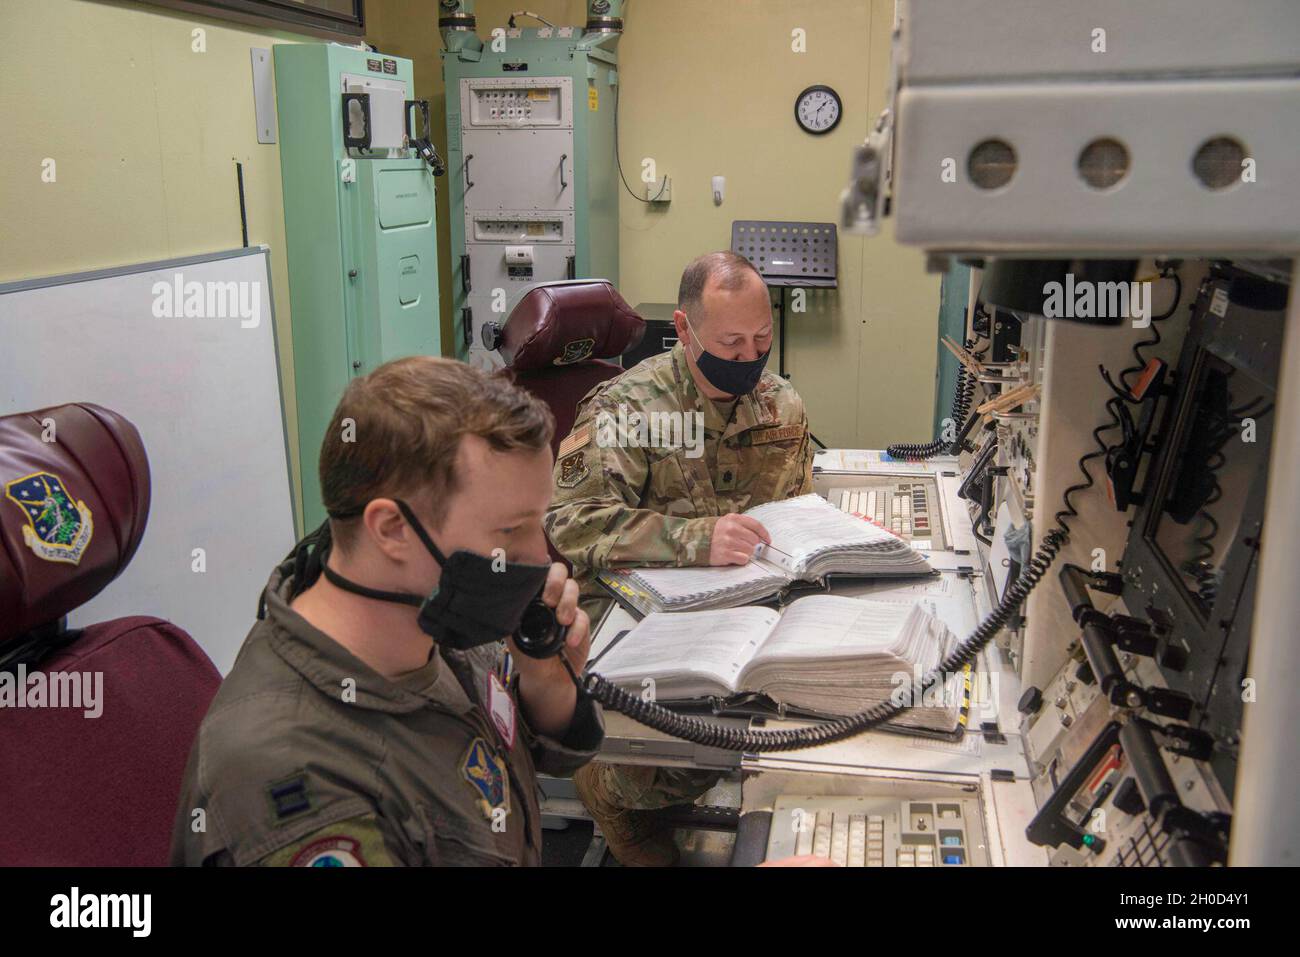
x,y
562,323
74,499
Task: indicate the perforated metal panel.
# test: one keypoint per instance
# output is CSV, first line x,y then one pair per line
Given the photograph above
x,y
789,254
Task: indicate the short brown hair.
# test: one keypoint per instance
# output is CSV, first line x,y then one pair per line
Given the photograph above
x,y
407,420
729,270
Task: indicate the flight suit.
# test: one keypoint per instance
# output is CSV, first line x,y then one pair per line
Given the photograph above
x,y
308,757
620,505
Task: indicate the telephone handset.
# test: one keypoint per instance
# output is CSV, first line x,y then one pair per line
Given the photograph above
x,y
540,634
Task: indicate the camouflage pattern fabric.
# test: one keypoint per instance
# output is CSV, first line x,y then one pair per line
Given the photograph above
x,y
619,503
647,788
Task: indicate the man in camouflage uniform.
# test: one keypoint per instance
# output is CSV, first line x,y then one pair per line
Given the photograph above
x,y
622,502
345,735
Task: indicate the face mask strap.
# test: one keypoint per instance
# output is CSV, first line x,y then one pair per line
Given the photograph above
x,y
321,555
434,610
338,581
695,336
416,527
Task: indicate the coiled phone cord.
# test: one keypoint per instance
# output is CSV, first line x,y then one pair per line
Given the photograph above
x,y
1201,565
1140,360
710,734
962,395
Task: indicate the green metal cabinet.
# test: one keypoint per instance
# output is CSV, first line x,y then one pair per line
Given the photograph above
x,y
360,234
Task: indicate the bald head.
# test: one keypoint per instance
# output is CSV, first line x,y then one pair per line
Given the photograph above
x,y
721,272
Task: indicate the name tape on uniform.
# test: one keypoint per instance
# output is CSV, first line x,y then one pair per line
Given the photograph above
x,y
763,436
501,709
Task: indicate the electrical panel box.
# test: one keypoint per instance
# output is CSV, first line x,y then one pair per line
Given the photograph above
x,y
359,229
1138,138
531,168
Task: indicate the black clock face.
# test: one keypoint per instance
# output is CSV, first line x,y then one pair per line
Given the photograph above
x,y
818,109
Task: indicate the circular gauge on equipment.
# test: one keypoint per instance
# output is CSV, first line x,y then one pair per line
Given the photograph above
x,y
818,110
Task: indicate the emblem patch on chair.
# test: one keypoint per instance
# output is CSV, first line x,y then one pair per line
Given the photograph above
x,y
58,529
576,351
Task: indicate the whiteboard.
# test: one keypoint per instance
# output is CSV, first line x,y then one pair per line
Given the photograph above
x,y
204,393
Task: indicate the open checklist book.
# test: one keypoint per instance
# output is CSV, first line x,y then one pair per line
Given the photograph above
x,y
823,656
810,539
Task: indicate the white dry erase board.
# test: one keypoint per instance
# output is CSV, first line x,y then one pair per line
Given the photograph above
x,y
204,391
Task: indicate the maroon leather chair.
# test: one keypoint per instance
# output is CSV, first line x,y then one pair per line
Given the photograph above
x,y
79,790
557,338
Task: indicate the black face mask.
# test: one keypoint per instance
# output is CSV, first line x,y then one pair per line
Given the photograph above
x,y
473,604
731,376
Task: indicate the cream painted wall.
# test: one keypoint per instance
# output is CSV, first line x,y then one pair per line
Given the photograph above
x,y
145,133
709,88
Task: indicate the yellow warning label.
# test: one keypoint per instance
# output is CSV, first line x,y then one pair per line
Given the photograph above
x,y
593,99
535,229
539,94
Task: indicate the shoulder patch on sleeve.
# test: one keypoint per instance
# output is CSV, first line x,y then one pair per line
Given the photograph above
x,y
573,470
355,842
577,439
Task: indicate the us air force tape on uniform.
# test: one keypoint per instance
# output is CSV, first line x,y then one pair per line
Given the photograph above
x,y
764,436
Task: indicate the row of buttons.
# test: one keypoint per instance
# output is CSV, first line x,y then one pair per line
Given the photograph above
x,y
920,855
855,840
903,514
